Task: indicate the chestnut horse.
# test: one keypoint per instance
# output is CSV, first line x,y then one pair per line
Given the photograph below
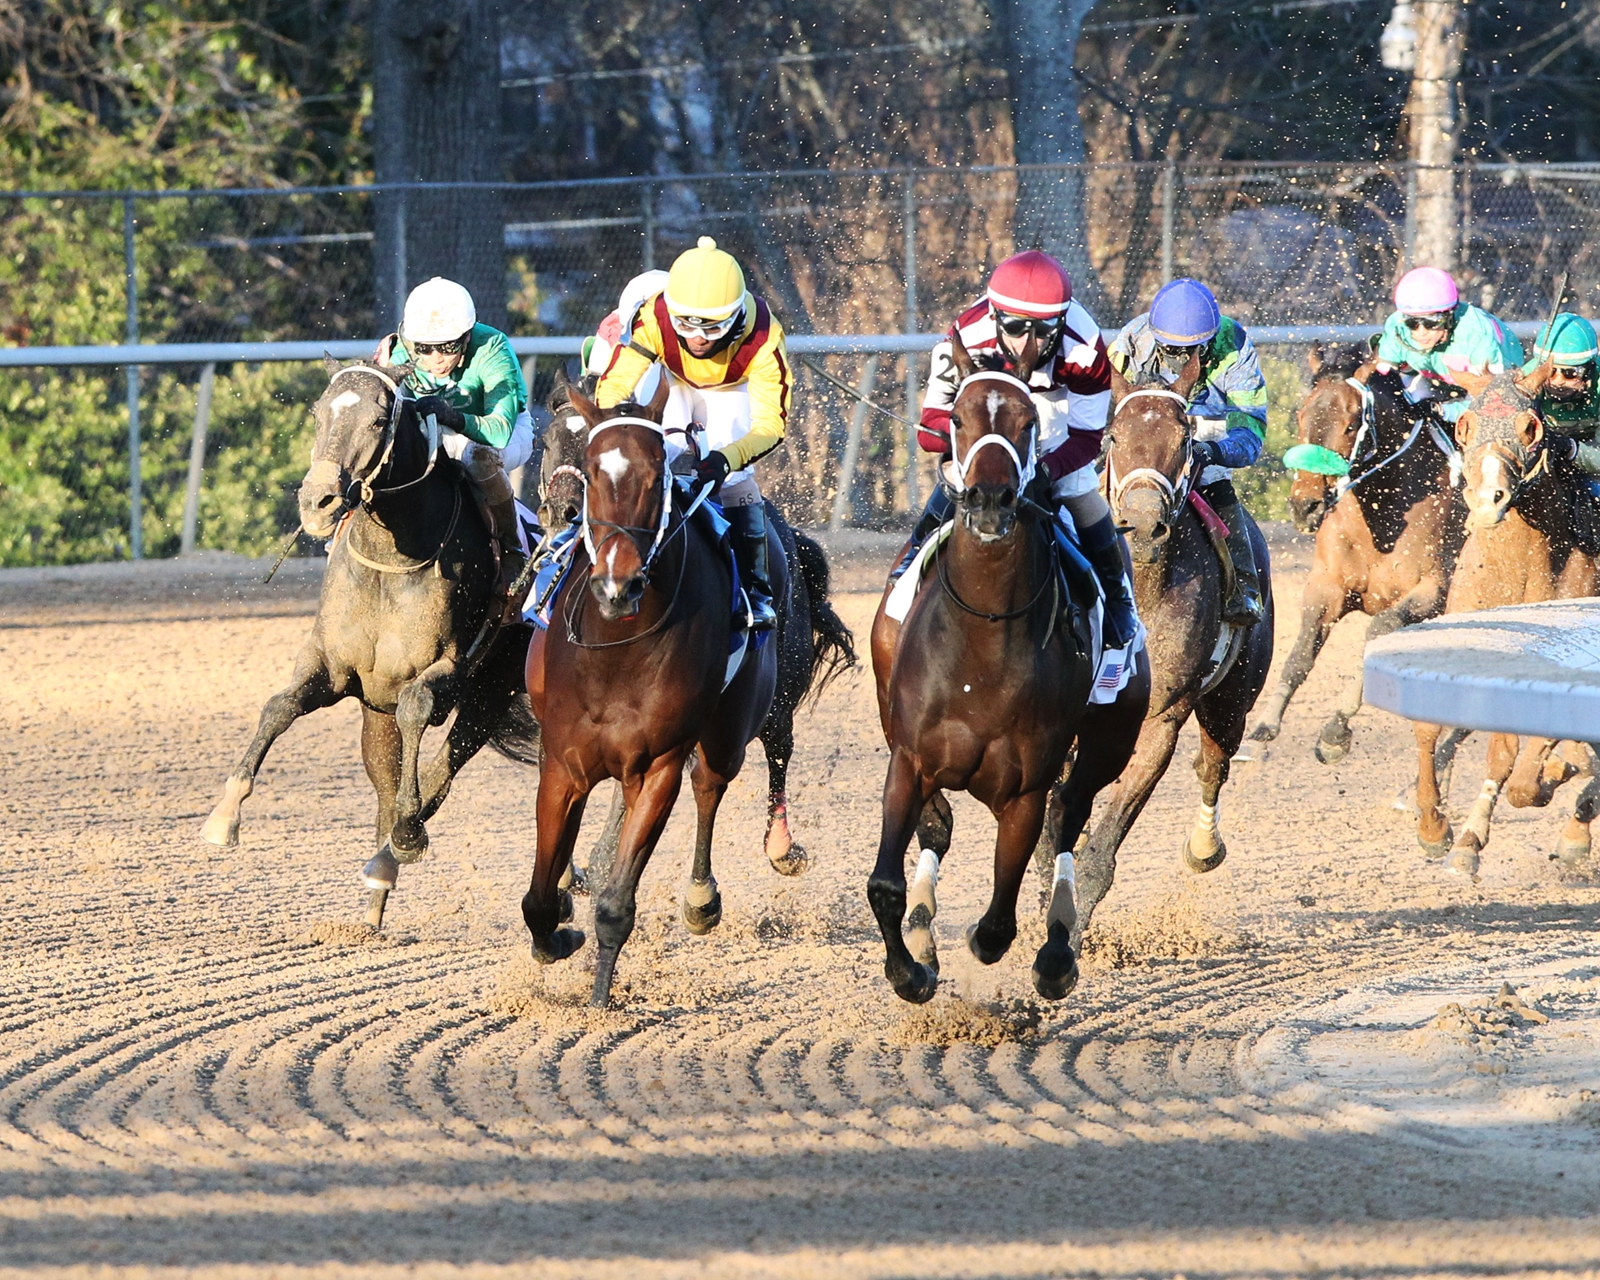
x,y
1200,665
1519,549
1388,532
628,682
982,689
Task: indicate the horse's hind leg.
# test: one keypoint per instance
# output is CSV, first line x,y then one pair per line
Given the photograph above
x,y
380,753
312,689
934,828
903,800
777,737
1541,770
1020,823
1221,729
1463,859
1322,606
1573,848
1433,828
422,702
702,904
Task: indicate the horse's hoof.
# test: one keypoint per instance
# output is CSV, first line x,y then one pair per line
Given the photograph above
x,y
1264,732
987,954
408,846
558,946
564,911
221,829
702,919
375,905
1050,983
916,985
794,861
580,878
1435,850
1202,865
382,870
1250,752
1332,752
1463,861
1571,854
919,937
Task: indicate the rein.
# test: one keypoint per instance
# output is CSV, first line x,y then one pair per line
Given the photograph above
x,y
942,572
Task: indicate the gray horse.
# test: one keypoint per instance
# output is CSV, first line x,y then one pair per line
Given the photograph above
x,y
407,621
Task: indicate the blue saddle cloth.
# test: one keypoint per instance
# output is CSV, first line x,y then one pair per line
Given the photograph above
x,y
556,563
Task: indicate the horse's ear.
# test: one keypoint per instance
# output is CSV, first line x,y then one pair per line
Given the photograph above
x,y
330,364
1530,429
961,357
1363,373
1475,384
658,400
1190,377
1466,428
1314,358
1028,361
587,408
1120,387
1533,384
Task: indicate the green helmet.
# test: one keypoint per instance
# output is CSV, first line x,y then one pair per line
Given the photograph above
x,y
1569,340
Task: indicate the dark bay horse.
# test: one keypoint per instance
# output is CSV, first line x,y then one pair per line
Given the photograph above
x,y
1519,549
628,683
814,645
1387,533
982,689
406,621
1200,665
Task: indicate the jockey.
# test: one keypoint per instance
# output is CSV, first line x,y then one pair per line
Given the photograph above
x,y
467,377
613,331
1569,403
1029,305
1228,406
723,352
1435,334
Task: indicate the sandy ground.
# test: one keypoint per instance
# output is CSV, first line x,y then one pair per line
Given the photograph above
x,y
1301,1064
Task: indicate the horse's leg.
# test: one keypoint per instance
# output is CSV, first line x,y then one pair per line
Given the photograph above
x,y
1333,744
702,905
1203,848
1540,771
903,800
380,753
1322,606
560,812
1020,823
1573,847
420,704
1151,757
1463,859
934,828
648,810
311,689
777,737
1433,828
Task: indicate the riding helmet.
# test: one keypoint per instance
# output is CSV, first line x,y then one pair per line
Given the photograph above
x,y
1569,340
1031,284
1426,291
705,282
1184,314
438,310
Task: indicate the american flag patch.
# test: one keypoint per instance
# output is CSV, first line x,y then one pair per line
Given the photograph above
x,y
1108,675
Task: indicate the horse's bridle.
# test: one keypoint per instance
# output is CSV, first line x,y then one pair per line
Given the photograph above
x,y
1173,492
391,430
993,439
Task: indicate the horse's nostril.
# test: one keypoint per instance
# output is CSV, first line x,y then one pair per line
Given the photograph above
x,y
1008,497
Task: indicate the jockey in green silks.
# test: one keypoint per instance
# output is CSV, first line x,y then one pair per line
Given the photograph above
x,y
1569,404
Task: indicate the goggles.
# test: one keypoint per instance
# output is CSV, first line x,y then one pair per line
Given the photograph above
x,y
1435,322
452,348
1176,356
1017,326
704,327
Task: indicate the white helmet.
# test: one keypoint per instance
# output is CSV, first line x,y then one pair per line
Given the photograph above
x,y
438,310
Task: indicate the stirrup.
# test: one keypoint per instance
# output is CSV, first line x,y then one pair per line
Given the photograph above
x,y
763,616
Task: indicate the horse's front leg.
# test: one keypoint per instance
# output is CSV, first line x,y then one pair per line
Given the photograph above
x,y
311,689
560,806
1463,859
1433,828
1021,820
903,799
424,701
1322,606
777,737
649,807
702,905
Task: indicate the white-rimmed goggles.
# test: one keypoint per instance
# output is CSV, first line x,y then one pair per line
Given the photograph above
x,y
706,326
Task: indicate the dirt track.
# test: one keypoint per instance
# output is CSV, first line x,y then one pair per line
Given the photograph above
x,y
205,1066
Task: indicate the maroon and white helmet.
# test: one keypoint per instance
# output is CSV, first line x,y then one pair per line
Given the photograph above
x,y
1031,284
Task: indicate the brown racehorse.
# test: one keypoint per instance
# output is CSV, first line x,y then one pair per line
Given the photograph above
x,y
983,688
1387,535
628,682
1199,667
1519,550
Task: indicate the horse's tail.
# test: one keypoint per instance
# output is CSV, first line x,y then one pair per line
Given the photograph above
x,y
833,648
516,732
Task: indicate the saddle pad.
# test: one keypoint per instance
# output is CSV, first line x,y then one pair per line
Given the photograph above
x,y
529,531
905,591
553,568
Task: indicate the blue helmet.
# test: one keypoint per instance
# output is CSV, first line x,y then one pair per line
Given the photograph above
x,y
1184,314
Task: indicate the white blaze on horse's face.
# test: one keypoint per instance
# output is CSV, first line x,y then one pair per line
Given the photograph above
x,y
995,401
343,401
614,464
1491,497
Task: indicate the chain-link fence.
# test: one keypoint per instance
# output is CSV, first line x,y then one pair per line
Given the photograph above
x,y
871,251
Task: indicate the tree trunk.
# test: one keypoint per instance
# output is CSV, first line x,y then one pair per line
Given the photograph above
x,y
1433,116
1041,41
436,118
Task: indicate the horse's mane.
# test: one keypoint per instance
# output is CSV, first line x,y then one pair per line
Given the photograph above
x,y
1341,362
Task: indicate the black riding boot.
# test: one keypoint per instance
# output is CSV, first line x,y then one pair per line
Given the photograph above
x,y
941,507
749,533
1243,605
1103,550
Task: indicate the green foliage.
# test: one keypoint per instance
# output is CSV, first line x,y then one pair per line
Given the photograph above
x,y
1265,486
64,469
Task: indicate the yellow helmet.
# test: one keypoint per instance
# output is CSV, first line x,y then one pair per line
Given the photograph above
x,y
705,282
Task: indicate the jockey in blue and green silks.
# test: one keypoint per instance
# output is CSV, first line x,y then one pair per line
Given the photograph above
x,y
1228,405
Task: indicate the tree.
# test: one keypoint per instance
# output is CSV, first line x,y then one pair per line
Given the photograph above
x,y
1041,43
436,118
1433,120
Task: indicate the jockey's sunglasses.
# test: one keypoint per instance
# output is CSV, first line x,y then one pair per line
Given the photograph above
x,y
1428,322
452,348
703,327
1014,326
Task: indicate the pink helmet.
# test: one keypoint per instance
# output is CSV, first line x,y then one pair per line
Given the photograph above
x,y
1031,284
1425,291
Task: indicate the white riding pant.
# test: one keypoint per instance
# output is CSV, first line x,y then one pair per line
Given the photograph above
x,y
476,458
716,416
1211,429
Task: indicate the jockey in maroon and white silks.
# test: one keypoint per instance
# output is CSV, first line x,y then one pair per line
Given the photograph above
x,y
1028,313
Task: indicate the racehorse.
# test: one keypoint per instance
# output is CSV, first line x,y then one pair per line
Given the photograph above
x,y
983,689
1200,665
1388,529
814,645
630,681
406,621
1519,549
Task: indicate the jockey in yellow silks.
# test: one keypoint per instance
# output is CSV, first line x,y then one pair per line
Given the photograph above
x,y
722,351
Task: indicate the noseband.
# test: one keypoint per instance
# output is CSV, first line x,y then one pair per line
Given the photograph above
x,y
1173,493
657,535
992,439
399,397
